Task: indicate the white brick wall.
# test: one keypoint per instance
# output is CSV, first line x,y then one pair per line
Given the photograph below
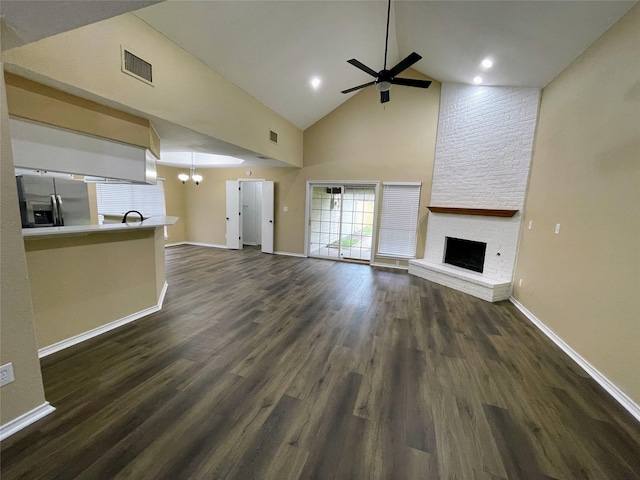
x,y
500,235
483,154
484,145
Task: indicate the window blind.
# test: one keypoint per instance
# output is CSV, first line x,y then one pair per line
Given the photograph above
x,y
118,198
399,219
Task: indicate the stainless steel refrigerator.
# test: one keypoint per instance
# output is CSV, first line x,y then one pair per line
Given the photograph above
x,y
52,202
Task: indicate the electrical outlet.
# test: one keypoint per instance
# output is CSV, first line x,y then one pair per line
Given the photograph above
x,y
557,230
397,262
6,374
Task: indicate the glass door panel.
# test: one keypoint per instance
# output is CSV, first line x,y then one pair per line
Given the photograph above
x,y
341,221
357,222
325,220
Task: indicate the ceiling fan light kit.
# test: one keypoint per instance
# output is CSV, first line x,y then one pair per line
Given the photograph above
x,y
385,78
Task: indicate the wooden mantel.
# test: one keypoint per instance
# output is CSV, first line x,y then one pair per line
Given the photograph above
x,y
487,212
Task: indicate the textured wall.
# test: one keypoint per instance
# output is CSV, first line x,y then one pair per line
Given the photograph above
x,y
17,335
584,283
483,150
483,153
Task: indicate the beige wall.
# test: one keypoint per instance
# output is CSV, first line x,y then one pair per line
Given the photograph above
x,y
185,91
584,283
174,194
360,140
40,103
17,334
82,282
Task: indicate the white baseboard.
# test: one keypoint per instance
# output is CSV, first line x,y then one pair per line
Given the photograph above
x,y
621,397
174,244
200,244
61,345
387,265
290,254
161,297
25,420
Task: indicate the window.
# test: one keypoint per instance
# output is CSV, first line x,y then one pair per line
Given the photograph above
x,y
399,219
118,198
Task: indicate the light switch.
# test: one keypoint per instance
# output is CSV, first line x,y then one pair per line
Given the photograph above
x,y
530,224
285,209
557,228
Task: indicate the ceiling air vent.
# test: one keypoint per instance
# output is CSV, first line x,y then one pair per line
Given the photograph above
x,y
136,67
273,136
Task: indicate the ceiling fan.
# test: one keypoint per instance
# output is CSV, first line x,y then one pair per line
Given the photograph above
x,y
385,78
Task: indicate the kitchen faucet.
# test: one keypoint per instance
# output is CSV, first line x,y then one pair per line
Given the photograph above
x,y
124,219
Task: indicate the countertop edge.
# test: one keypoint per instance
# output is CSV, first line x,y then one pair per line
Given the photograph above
x,y
44,232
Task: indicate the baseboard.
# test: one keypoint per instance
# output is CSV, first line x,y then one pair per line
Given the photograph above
x,y
161,297
387,265
290,254
25,420
621,397
69,342
174,244
200,244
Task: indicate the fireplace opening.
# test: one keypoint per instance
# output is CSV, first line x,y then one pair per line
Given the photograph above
x,y
465,253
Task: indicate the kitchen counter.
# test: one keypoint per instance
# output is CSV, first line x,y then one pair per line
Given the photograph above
x,y
151,222
88,279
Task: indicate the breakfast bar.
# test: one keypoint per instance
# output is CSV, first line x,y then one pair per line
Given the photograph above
x,y
89,279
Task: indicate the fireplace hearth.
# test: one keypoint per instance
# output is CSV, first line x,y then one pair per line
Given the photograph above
x,y
465,254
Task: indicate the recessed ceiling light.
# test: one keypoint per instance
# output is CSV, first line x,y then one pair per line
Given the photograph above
x,y
486,63
315,82
477,80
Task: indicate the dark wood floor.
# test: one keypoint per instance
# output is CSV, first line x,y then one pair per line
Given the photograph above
x,y
272,367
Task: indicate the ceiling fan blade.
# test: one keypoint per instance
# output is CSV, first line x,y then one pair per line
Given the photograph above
x,y
349,90
384,97
404,64
363,67
411,82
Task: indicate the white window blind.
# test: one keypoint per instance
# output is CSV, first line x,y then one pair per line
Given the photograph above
x,y
399,219
118,198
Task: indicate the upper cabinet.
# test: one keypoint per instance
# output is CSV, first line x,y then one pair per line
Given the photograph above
x,y
42,147
57,131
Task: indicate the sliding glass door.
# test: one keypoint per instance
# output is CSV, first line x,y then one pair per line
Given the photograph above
x,y
341,221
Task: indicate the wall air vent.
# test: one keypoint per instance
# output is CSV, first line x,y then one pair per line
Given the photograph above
x,y
273,136
136,67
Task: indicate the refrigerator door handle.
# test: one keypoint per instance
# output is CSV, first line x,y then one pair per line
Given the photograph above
x,y
60,217
54,209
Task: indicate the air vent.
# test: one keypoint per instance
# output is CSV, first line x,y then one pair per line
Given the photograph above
x,y
136,67
273,136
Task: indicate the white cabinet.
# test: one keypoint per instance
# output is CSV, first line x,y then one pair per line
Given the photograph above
x,y
43,147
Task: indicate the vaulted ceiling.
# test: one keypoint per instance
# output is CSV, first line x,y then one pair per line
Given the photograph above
x,y
272,49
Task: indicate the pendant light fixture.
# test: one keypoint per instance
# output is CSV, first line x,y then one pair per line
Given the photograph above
x,y
197,178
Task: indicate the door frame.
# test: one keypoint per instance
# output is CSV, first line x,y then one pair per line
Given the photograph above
x,y
346,184
239,183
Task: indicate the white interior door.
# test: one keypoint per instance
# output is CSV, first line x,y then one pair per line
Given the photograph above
x,y
267,217
234,224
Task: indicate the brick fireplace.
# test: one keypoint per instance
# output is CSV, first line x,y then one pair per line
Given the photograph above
x,y
483,154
